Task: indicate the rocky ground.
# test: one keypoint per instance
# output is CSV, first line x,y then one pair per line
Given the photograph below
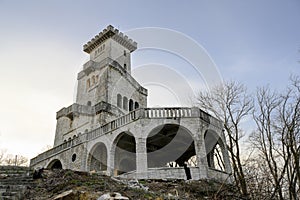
x,y
67,184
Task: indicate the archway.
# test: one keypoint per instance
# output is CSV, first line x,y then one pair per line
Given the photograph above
x,y
125,153
97,160
214,147
170,145
130,105
55,164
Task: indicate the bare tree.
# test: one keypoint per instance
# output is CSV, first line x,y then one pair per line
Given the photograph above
x,y
2,155
277,138
16,160
288,125
265,138
230,103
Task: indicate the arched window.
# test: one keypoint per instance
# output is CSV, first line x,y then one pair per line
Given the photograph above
x,y
136,105
130,105
93,80
124,53
125,103
119,101
88,84
89,103
125,67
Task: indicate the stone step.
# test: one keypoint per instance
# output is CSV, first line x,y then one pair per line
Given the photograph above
x,y
13,169
14,181
11,183
11,195
12,187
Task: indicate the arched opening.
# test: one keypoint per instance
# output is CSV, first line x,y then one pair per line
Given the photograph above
x,y
55,164
130,105
170,145
125,103
88,84
89,103
98,158
213,147
125,154
93,80
136,105
119,101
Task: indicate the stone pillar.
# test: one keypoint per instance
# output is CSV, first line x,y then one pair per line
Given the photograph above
x,y
226,158
111,160
201,156
84,157
141,158
195,112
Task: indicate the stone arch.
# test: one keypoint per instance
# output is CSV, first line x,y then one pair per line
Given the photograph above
x,y
55,164
88,84
136,105
93,80
215,148
89,103
125,103
97,157
119,101
124,153
130,105
170,145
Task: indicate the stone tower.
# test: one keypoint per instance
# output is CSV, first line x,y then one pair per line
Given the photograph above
x,y
106,89
109,128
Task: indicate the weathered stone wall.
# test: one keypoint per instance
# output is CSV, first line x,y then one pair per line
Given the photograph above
x,y
99,118
65,157
141,124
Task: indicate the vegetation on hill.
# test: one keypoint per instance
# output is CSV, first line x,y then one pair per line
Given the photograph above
x,y
91,186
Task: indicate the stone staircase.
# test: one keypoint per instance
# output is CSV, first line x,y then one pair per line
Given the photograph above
x,y
14,180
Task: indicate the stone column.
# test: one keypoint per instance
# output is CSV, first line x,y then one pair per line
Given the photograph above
x,y
226,158
201,156
141,158
110,159
195,112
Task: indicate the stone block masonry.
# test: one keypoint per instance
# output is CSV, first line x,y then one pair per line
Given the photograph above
x,y
110,129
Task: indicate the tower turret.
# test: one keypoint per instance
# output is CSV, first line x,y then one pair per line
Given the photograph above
x,y
110,43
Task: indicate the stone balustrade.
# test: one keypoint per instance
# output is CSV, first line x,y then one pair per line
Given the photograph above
x,y
141,113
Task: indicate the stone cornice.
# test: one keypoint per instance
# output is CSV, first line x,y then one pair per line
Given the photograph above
x,y
110,32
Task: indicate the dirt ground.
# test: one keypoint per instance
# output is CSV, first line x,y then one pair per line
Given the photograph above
x,y
91,186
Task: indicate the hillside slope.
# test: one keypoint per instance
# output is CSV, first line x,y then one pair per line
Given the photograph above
x,y
81,185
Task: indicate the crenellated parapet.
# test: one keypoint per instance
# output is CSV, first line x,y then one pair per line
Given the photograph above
x,y
110,32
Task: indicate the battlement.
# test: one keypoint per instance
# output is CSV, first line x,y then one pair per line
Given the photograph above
x,y
110,32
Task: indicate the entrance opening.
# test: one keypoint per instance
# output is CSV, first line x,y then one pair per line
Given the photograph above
x,y
170,145
98,157
55,164
125,154
213,146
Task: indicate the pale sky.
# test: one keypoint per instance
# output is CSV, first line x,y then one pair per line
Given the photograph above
x,y
255,42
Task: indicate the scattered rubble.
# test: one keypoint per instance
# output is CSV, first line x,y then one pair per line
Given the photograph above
x,y
112,196
73,185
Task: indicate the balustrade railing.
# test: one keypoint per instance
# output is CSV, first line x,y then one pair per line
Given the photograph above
x,y
152,113
167,112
